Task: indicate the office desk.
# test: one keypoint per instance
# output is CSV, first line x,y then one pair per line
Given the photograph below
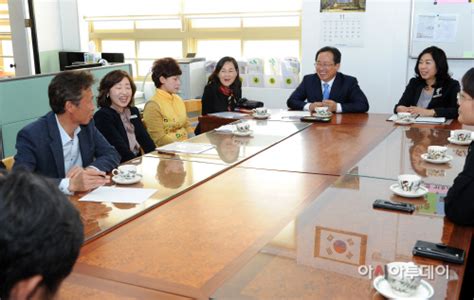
x,y
317,256
192,244
400,153
321,148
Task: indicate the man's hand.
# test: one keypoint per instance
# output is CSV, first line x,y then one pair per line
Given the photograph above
x,y
331,104
312,106
86,179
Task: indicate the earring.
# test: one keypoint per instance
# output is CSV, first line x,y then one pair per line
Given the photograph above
x,y
108,96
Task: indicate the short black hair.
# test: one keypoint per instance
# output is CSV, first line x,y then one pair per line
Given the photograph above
x,y
441,63
68,86
165,67
40,232
335,53
468,82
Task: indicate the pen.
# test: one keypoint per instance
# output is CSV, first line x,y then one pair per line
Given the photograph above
x,y
438,252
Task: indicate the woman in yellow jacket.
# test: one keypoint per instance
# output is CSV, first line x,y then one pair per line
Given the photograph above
x,y
165,114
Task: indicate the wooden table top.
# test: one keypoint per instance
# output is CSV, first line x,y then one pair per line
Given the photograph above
x,y
318,254
400,153
219,234
321,149
192,244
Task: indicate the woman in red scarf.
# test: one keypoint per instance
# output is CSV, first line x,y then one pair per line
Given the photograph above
x,y
223,88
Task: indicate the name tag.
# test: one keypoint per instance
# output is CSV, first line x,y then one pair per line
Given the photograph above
x,y
437,95
133,117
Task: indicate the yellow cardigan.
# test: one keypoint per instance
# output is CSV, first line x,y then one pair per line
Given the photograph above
x,y
165,118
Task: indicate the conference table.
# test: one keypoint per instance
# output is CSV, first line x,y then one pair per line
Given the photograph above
x,y
284,213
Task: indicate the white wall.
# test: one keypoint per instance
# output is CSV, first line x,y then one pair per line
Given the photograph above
x,y
49,25
382,65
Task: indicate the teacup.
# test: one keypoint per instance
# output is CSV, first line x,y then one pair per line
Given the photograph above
x,y
461,135
437,152
125,171
405,116
409,182
321,110
403,278
260,111
243,127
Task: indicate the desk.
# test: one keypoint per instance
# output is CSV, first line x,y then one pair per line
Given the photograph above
x,y
225,234
317,255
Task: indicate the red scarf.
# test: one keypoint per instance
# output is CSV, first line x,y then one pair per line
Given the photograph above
x,y
226,91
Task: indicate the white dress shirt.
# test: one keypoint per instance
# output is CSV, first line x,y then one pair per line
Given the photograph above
x,y
330,82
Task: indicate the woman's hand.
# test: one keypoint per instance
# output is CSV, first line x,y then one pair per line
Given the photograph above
x,y
414,110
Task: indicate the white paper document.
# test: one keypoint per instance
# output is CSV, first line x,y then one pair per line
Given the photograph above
x,y
118,195
425,120
226,128
229,115
185,147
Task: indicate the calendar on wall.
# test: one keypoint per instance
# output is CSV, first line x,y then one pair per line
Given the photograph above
x,y
342,29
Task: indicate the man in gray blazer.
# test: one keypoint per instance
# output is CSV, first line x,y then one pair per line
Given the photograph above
x,y
64,144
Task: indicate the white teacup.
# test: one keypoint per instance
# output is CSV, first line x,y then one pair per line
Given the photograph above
x,y
125,171
321,110
243,127
461,135
405,116
409,182
437,152
403,278
261,111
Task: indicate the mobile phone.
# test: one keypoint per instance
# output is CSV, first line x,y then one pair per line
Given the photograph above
x,y
314,119
392,205
439,251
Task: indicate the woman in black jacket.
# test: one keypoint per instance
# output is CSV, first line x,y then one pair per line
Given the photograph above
x,y
223,88
432,92
459,203
118,120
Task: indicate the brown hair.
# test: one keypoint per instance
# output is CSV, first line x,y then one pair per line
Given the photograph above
x,y
165,67
109,80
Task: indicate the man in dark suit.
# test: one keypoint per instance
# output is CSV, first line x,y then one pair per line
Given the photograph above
x,y
64,144
340,93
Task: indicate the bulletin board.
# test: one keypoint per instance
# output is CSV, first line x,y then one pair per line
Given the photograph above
x,y
447,24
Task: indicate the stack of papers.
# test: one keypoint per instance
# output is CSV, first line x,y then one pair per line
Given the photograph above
x,y
229,115
118,195
226,128
185,147
423,120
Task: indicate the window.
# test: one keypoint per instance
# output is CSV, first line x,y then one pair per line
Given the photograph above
x,y
211,28
6,48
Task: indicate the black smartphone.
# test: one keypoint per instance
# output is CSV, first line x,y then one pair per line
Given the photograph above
x,y
314,119
439,251
392,205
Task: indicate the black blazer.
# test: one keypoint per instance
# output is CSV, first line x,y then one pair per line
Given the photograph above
x,y
444,100
214,101
459,203
345,90
108,121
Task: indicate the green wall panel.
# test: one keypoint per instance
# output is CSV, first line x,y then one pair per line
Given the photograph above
x,y
24,99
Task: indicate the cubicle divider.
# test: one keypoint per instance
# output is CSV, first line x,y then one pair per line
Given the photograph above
x,y
24,99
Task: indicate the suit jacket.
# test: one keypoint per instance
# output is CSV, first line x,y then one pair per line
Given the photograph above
x,y
108,121
214,101
444,99
345,90
39,148
459,203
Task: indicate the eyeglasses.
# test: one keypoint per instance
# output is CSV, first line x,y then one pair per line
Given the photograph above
x,y
321,65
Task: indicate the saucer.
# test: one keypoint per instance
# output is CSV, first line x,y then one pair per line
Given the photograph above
x,y
261,117
119,180
398,191
456,142
404,122
443,160
424,290
239,133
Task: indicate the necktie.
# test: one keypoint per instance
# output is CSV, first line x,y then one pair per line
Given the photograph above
x,y
325,91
